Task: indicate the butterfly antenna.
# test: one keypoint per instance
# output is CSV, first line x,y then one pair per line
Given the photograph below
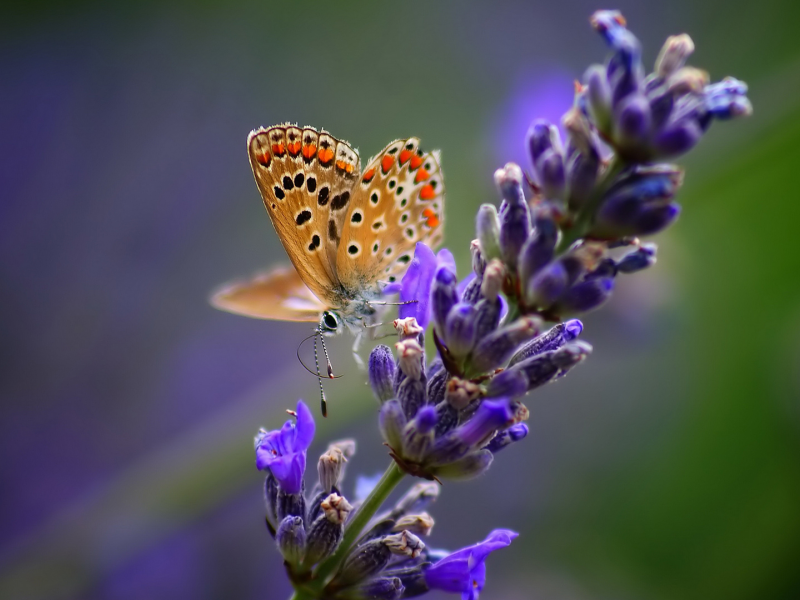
x,y
323,404
300,360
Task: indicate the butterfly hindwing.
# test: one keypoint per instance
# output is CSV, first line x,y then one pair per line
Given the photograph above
x,y
397,202
278,294
303,175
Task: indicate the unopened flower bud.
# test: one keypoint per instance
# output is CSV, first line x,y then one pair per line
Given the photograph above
x,y
382,371
404,543
291,539
336,508
488,228
506,437
673,54
497,347
419,434
461,392
493,278
330,468
409,357
407,328
418,524
416,498
380,588
459,332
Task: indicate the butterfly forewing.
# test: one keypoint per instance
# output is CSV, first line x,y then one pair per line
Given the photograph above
x,y
301,184
397,202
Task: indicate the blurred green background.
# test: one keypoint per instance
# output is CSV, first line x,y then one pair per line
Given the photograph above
x,y
665,467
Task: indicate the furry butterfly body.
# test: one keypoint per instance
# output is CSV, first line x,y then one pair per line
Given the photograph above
x,y
347,232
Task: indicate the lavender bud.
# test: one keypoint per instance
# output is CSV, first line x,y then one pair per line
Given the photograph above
x,y
365,561
728,99
381,370
443,297
404,543
380,588
487,316
497,347
418,524
587,295
583,169
290,504
407,328
460,329
291,539
641,258
653,219
330,468
677,138
488,228
315,507
478,259
687,80
413,578
508,436
552,178
542,136
271,496
410,358
416,498
461,392
673,54
547,285
411,395
419,434
468,467
392,421
543,368
507,383
632,121
436,386
550,340
493,278
539,248
446,417
515,218
490,416
326,531
472,291
598,96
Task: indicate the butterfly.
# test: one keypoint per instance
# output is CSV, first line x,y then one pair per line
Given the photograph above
x,y
348,232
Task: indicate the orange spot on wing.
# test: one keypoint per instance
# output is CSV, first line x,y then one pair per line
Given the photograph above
x,y
325,156
432,218
427,193
344,166
309,151
422,175
369,175
294,148
264,159
278,149
416,161
386,163
405,155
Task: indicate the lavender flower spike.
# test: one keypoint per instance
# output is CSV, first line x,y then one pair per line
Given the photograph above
x,y
464,571
283,451
415,287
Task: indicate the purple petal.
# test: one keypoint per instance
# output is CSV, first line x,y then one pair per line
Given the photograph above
x,y
417,285
445,258
305,427
477,579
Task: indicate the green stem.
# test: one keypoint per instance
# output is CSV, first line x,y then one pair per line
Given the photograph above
x,y
301,595
391,477
585,217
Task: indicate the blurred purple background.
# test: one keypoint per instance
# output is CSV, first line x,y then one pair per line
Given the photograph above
x,y
129,405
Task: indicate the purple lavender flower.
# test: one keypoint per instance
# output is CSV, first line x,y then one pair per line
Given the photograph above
x,y
664,114
464,571
415,287
283,451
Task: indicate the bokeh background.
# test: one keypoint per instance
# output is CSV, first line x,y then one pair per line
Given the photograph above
x,y
665,467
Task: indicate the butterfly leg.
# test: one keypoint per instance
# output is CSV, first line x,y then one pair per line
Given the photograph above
x,y
356,343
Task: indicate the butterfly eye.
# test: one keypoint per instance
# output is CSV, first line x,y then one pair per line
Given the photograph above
x,y
330,321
